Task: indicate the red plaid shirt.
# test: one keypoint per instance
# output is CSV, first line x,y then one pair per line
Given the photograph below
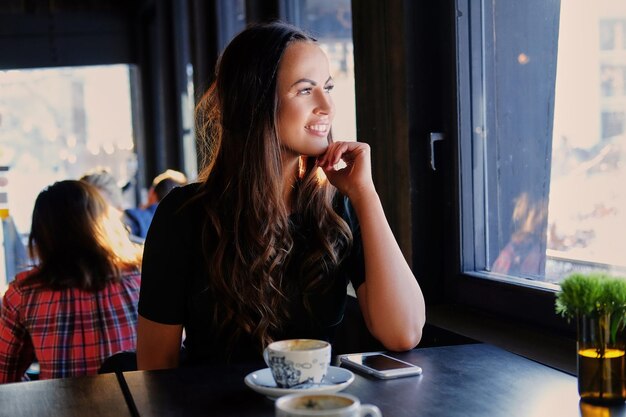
x,y
70,332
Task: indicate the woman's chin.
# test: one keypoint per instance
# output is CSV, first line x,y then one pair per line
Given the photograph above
x,y
318,151
313,151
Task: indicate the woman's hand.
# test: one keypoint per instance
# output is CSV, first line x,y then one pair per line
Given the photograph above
x,y
390,298
355,179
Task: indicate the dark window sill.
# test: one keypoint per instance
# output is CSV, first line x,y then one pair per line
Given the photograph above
x,y
547,348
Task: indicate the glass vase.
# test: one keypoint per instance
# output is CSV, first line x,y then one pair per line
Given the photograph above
x,y
601,361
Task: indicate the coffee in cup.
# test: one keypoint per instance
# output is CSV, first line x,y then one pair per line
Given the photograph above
x,y
324,405
298,362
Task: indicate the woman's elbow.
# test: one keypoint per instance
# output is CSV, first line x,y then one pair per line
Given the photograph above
x,y
155,359
158,345
405,341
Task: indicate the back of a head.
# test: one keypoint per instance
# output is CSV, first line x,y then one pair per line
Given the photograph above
x,y
105,182
69,237
64,216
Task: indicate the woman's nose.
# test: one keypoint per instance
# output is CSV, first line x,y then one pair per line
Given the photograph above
x,y
325,104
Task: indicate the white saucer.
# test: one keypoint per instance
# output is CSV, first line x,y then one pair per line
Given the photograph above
x,y
335,380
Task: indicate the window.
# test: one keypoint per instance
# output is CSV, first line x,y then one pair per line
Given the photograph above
x,y
56,124
542,139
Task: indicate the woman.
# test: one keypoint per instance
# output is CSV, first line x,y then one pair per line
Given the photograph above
x,y
263,247
78,306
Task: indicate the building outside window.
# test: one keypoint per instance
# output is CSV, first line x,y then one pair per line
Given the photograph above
x,y
543,139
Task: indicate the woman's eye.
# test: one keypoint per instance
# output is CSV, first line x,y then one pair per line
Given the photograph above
x,y
304,92
328,88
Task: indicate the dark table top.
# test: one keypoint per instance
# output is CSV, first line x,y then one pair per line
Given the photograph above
x,y
92,396
216,391
464,380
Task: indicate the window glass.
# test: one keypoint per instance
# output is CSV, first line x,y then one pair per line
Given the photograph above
x,y
56,124
330,21
546,139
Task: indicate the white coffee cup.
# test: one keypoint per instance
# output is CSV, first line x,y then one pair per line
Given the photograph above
x,y
324,405
298,362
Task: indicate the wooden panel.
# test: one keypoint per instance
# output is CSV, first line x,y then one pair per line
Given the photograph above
x,y
382,119
67,39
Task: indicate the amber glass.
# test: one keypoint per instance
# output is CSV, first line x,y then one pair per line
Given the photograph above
x,y
601,361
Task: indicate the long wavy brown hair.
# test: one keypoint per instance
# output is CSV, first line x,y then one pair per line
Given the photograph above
x,y
77,241
247,235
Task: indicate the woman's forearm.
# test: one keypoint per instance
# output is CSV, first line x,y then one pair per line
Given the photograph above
x,y
391,299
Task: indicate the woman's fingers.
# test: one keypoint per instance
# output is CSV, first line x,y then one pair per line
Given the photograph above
x,y
338,151
356,175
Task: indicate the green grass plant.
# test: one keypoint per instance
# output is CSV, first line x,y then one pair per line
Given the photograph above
x,y
594,295
591,294
598,303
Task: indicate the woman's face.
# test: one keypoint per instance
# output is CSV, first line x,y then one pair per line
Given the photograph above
x,y
305,107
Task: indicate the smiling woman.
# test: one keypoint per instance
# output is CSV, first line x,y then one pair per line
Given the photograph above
x,y
305,108
265,249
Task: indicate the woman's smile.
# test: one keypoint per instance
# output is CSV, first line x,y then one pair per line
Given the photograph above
x,y
320,130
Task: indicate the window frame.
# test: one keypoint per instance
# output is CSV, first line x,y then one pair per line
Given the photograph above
x,y
517,298
478,254
405,55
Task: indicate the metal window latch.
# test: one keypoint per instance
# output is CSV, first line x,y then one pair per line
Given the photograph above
x,y
434,137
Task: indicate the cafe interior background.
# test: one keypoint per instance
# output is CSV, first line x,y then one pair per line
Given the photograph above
x,y
498,133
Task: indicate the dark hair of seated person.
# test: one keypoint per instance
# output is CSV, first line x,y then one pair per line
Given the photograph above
x,y
74,240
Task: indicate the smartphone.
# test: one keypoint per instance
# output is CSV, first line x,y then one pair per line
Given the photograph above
x,y
379,365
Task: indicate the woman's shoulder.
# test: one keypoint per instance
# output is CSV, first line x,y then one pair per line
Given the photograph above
x,y
131,278
180,200
181,195
176,220
23,275
131,273
24,280
23,287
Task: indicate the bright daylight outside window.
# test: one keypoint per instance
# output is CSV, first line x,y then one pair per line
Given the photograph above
x,y
56,124
587,211
550,136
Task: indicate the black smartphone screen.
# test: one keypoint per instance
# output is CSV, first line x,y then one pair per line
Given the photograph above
x,y
383,363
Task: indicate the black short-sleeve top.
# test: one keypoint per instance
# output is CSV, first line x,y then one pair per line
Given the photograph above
x,y
174,282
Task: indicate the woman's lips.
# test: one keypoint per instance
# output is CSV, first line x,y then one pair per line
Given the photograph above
x,y
318,129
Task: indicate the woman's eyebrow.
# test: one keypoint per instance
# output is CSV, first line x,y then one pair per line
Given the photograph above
x,y
304,80
308,80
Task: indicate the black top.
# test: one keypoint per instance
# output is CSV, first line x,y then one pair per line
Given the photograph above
x,y
174,281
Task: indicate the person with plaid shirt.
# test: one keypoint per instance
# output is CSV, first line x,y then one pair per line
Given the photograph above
x,y
78,305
